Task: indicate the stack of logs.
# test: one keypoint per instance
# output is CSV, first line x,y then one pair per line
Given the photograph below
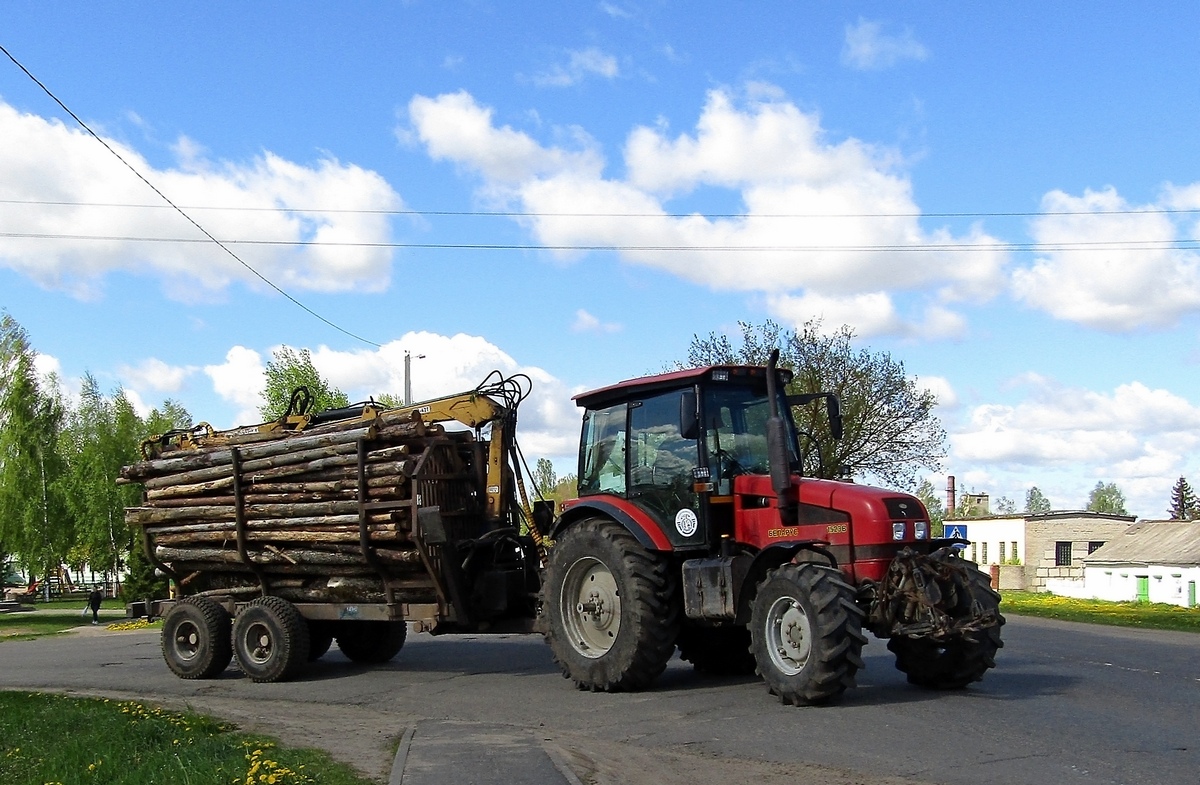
x,y
300,513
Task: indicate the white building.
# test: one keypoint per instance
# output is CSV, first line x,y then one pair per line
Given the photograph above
x,y
1153,561
1047,546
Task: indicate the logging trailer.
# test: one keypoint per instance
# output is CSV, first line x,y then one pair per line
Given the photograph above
x,y
692,530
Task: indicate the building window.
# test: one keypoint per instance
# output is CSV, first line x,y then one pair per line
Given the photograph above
x,y
1016,556
974,553
1095,545
984,553
1002,553
1062,554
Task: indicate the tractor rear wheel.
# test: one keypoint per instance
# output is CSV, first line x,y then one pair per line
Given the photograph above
x,y
720,651
371,642
270,640
952,665
611,612
195,638
806,633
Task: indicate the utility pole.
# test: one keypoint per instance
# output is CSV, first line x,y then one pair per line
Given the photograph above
x,y
408,358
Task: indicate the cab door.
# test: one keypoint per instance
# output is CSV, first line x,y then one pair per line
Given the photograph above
x,y
661,469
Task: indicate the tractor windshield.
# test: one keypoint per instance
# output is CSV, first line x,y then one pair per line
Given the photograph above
x,y
736,432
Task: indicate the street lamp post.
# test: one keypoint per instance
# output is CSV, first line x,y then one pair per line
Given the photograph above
x,y
408,358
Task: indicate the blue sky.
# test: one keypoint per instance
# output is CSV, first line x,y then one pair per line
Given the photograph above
x,y
1006,198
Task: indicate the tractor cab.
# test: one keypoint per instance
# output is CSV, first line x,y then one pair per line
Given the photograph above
x,y
665,449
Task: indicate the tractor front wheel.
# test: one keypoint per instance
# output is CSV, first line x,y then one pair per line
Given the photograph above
x,y
611,615
806,633
953,664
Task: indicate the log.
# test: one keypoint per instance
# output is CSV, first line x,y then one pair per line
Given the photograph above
x,y
223,455
271,523
337,535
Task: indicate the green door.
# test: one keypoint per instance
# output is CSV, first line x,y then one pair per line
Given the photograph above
x,y
1191,594
1143,588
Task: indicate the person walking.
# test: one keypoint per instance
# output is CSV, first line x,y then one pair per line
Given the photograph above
x,y
94,600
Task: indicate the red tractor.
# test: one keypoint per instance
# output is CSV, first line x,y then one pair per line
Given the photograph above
x,y
694,528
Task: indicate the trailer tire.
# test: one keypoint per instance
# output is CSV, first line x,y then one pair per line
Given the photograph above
x,y
320,638
270,640
806,633
954,664
371,642
196,641
625,637
719,651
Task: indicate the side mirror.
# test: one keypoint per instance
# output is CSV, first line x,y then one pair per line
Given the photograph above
x,y
689,416
834,408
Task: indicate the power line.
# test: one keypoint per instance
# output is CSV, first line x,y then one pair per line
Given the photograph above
x,y
1082,245
527,214
178,209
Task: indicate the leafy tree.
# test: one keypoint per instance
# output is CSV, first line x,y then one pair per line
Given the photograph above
x,y
544,477
289,369
1107,497
1036,501
891,431
1005,506
102,435
1184,506
933,505
35,521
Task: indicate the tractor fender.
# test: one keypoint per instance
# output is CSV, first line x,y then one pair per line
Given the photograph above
x,y
638,523
773,556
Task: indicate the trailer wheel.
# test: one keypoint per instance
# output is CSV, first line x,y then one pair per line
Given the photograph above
x,y
270,640
195,638
806,633
952,665
720,651
611,610
320,638
372,642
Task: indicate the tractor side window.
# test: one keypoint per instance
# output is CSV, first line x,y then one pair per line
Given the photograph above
x,y
602,452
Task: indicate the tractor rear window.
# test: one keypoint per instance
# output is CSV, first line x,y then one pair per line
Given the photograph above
x,y
602,451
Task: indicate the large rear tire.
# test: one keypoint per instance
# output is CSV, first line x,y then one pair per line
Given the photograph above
x,y
196,642
806,633
270,640
611,609
720,651
952,665
371,642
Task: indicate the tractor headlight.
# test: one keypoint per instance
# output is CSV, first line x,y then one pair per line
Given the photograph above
x,y
898,530
920,530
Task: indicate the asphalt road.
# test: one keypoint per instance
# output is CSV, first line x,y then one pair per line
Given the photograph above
x,y
1068,703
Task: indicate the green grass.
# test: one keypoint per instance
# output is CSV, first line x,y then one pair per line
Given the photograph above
x,y
1121,614
48,739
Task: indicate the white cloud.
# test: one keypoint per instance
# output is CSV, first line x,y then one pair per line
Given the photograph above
x,y
581,63
240,381
871,314
1064,440
155,374
43,160
587,323
1115,271
868,48
812,213
940,386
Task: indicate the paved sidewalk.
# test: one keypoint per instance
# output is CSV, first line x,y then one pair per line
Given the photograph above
x,y
435,752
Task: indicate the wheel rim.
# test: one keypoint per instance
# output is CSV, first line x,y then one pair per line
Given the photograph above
x,y
590,606
259,643
789,635
187,640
